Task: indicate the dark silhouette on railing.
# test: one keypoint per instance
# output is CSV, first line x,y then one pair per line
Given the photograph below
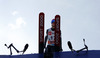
x,y
71,48
11,45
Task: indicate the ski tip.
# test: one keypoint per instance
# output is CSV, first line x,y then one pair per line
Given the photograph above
x,y
41,13
57,16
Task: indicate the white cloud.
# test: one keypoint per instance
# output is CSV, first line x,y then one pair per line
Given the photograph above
x,y
14,13
19,23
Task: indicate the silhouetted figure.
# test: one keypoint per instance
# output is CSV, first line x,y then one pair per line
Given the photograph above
x,y
11,45
71,48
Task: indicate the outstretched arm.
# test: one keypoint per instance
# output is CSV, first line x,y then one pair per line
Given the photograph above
x,y
13,47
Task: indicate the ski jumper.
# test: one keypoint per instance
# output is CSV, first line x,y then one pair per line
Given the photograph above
x,y
50,40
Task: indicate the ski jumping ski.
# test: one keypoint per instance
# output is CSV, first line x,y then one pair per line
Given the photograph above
x,y
57,30
41,32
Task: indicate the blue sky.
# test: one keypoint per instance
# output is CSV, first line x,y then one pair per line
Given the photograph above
x,y
19,22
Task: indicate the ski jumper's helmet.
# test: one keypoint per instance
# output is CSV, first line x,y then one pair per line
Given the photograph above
x,y
53,20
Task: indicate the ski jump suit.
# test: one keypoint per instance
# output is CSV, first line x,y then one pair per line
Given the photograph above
x,y
50,38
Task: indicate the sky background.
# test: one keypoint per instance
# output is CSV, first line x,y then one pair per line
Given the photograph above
x,y
19,23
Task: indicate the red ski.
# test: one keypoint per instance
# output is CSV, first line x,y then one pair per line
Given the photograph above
x,y
57,30
41,32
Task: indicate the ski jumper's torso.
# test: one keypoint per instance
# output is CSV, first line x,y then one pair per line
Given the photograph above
x,y
50,37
